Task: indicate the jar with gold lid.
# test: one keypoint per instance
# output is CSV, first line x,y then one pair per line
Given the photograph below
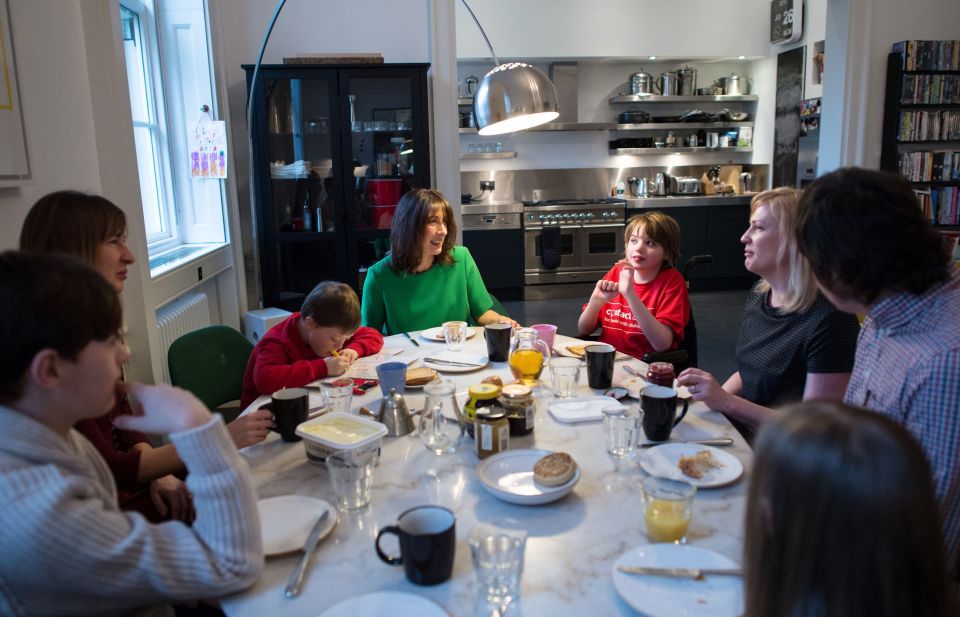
x,y
517,400
492,431
481,395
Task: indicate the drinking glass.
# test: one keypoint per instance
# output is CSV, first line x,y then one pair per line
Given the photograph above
x,y
621,431
351,473
338,392
440,427
497,552
392,376
455,333
668,505
565,373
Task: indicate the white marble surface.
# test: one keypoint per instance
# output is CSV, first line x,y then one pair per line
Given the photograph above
x,y
573,542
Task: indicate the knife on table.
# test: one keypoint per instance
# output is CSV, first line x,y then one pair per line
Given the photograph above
x,y
293,585
452,363
720,441
694,573
411,339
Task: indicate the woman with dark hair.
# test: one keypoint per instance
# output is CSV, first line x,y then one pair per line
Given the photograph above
x,y
94,229
841,520
793,345
425,280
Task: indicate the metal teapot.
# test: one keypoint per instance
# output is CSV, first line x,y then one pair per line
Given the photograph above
x,y
735,85
668,84
661,184
394,414
641,83
688,81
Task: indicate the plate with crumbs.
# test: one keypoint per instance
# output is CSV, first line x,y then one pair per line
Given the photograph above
x,y
720,469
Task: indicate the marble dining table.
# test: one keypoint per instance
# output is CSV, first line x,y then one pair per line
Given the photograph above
x,y
573,543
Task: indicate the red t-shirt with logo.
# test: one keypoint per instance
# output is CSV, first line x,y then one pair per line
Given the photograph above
x,y
665,297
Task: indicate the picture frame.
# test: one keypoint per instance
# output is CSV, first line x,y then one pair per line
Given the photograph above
x,y
14,162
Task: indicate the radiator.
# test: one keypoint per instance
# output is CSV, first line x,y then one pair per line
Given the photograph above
x,y
184,315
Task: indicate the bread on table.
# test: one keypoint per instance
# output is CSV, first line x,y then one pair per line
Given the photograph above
x,y
420,376
554,469
699,464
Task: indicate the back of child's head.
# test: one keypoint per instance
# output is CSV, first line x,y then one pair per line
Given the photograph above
x,y
660,228
333,305
49,302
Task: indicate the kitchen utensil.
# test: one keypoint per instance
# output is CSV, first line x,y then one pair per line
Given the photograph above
x,y
735,85
621,430
720,441
692,140
668,84
694,573
746,182
411,339
452,363
641,83
471,83
633,116
428,540
732,116
439,433
688,81
529,354
661,184
289,407
637,186
395,415
296,579
660,411
689,186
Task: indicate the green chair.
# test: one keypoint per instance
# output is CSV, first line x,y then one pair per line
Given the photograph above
x,y
498,306
210,363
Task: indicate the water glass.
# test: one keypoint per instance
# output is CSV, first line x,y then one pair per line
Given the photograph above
x,y
455,333
565,373
337,393
392,376
497,553
440,426
351,473
667,508
621,431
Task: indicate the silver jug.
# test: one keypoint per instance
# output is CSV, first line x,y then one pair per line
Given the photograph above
x,y
735,85
641,83
667,84
661,184
393,414
746,182
688,81
637,186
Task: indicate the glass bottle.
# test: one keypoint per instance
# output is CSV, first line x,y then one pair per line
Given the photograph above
x,y
528,355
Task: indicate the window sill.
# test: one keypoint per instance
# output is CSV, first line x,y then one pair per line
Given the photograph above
x,y
170,260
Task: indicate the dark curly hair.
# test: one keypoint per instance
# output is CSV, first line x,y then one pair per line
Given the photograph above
x,y
864,235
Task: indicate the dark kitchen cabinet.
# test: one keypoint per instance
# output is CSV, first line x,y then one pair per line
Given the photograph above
x,y
334,147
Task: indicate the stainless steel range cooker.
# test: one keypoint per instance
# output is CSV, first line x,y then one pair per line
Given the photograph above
x,y
590,242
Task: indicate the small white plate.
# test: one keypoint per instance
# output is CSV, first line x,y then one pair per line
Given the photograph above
x,y
581,408
509,476
393,603
562,348
436,334
635,384
662,461
286,521
465,357
661,596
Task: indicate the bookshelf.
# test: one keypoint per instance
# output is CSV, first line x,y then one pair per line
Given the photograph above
x,y
921,125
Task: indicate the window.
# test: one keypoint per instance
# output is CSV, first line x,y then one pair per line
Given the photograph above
x,y
169,76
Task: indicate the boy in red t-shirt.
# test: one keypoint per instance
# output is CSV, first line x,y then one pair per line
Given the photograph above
x,y
322,340
641,304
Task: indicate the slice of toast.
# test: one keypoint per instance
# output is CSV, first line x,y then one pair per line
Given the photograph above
x,y
420,376
698,465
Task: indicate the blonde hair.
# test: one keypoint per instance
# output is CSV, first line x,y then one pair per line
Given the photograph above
x,y
801,292
660,228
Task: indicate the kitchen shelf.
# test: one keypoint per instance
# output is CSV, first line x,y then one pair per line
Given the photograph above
x,y
465,156
558,126
658,126
468,101
687,149
659,98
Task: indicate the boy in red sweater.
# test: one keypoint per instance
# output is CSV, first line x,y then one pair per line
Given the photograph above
x,y
322,340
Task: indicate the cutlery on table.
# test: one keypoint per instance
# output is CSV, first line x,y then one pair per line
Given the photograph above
x,y
452,363
720,441
411,339
313,540
694,573
634,372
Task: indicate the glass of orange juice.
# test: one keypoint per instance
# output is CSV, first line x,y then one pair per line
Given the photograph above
x,y
667,506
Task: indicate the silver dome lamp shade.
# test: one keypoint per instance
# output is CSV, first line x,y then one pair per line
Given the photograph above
x,y
512,96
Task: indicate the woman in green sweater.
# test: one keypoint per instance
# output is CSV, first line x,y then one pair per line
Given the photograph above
x,y
425,280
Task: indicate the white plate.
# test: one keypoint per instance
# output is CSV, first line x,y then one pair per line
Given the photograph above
x,y
436,334
581,408
635,384
660,596
393,603
509,476
662,461
286,521
457,356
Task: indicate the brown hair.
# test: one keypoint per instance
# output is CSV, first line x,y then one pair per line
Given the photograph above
x,y
410,225
841,519
783,204
71,222
49,302
660,228
333,305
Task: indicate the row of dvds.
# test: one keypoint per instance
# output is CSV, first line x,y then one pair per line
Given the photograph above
x,y
940,206
930,90
929,55
929,126
930,166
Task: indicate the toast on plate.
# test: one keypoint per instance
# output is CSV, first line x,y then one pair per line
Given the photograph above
x,y
699,464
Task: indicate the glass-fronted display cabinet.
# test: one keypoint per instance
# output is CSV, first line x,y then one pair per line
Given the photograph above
x,y
334,148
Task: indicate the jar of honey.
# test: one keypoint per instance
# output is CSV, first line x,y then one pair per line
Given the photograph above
x,y
517,401
661,374
481,395
492,431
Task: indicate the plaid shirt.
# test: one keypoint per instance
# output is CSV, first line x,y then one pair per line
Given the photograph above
x,y
908,367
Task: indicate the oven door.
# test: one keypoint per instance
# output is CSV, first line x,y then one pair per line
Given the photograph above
x,y
570,247
601,245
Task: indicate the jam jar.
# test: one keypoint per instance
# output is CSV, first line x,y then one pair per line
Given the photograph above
x,y
492,431
517,401
481,395
661,374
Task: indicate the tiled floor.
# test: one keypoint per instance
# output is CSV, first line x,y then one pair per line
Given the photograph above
x,y
718,315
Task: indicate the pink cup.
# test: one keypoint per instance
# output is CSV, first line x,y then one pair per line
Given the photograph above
x,y
546,332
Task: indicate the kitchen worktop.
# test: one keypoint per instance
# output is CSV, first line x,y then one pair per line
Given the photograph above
x,y
681,201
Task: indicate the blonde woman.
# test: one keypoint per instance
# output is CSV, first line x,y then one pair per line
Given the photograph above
x,y
793,344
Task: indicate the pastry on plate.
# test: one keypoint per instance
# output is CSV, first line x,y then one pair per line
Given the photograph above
x,y
699,464
554,469
577,350
494,380
420,376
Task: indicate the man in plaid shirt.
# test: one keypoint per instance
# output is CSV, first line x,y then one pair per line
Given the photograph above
x,y
874,254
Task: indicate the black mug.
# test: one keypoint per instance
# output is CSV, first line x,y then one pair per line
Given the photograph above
x,y
659,405
428,538
498,341
600,365
290,408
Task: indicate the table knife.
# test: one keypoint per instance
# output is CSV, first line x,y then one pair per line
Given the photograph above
x,y
720,441
452,363
313,540
694,573
411,339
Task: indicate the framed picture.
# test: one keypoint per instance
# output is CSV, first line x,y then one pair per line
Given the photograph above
x,y
14,165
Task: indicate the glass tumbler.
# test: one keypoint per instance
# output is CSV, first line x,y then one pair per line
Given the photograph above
x,y
338,393
497,552
621,430
565,373
667,508
351,473
440,422
455,334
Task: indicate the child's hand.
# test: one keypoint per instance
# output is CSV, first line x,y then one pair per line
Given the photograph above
x,y
161,409
350,355
336,365
604,291
625,284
